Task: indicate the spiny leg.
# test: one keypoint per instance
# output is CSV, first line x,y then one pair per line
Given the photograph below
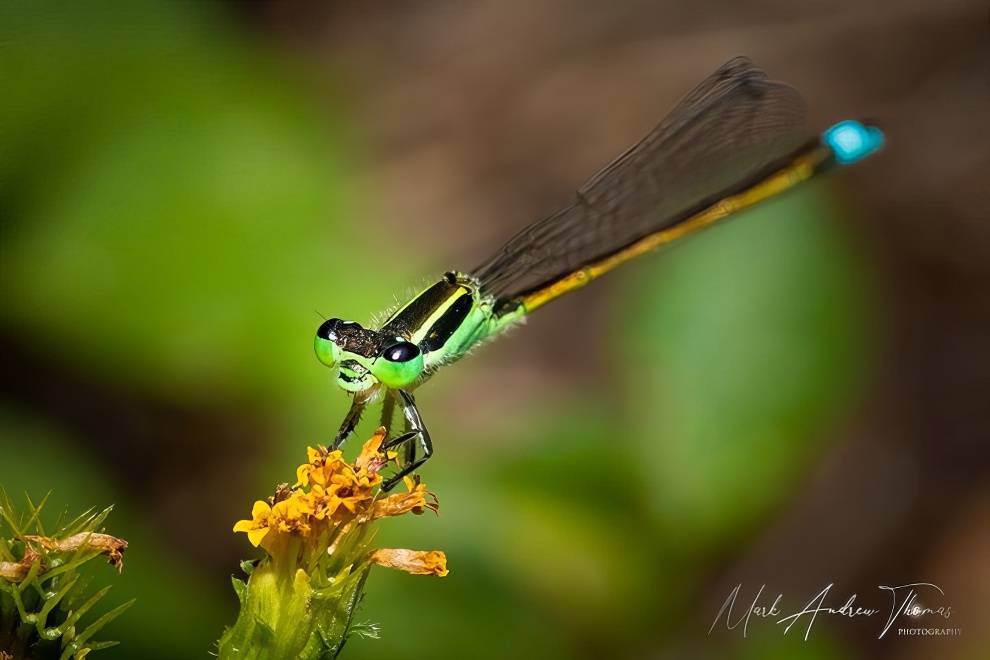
x,y
388,418
388,410
414,422
407,430
350,421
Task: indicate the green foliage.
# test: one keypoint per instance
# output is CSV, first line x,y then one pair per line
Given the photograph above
x,y
748,346
42,611
186,185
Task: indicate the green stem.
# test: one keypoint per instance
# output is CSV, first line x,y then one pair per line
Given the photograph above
x,y
284,618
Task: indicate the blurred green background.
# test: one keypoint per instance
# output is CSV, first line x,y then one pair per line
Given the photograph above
x,y
791,399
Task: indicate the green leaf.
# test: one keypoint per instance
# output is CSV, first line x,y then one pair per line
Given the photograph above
x,y
240,589
95,627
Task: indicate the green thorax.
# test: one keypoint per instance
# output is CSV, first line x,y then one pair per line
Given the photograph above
x,y
447,319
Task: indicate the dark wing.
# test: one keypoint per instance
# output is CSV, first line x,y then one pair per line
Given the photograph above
x,y
729,129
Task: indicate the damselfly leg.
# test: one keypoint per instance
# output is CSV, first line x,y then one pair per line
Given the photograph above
x,y
418,432
350,422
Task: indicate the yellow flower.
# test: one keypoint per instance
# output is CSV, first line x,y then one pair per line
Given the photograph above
x,y
417,562
292,513
256,528
322,463
317,537
333,500
350,491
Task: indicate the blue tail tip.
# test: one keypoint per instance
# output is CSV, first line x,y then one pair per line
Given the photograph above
x,y
852,141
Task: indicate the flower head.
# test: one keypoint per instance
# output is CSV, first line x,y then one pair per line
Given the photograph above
x,y
316,535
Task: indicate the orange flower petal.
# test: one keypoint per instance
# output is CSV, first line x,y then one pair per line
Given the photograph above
x,y
400,503
417,562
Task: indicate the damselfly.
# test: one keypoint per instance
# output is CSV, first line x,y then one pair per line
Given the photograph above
x,y
732,142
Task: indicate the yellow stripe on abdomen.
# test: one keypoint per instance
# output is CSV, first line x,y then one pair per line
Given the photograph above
x,y
800,169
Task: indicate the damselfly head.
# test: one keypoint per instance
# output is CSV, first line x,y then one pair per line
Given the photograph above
x,y
364,358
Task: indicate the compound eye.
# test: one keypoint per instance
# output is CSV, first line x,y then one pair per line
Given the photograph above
x,y
401,352
328,330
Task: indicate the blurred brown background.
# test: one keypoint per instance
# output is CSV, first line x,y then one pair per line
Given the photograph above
x,y
464,122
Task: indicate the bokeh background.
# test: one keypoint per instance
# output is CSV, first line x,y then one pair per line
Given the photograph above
x,y
797,398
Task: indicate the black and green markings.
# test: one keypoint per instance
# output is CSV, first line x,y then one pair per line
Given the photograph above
x,y
735,140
